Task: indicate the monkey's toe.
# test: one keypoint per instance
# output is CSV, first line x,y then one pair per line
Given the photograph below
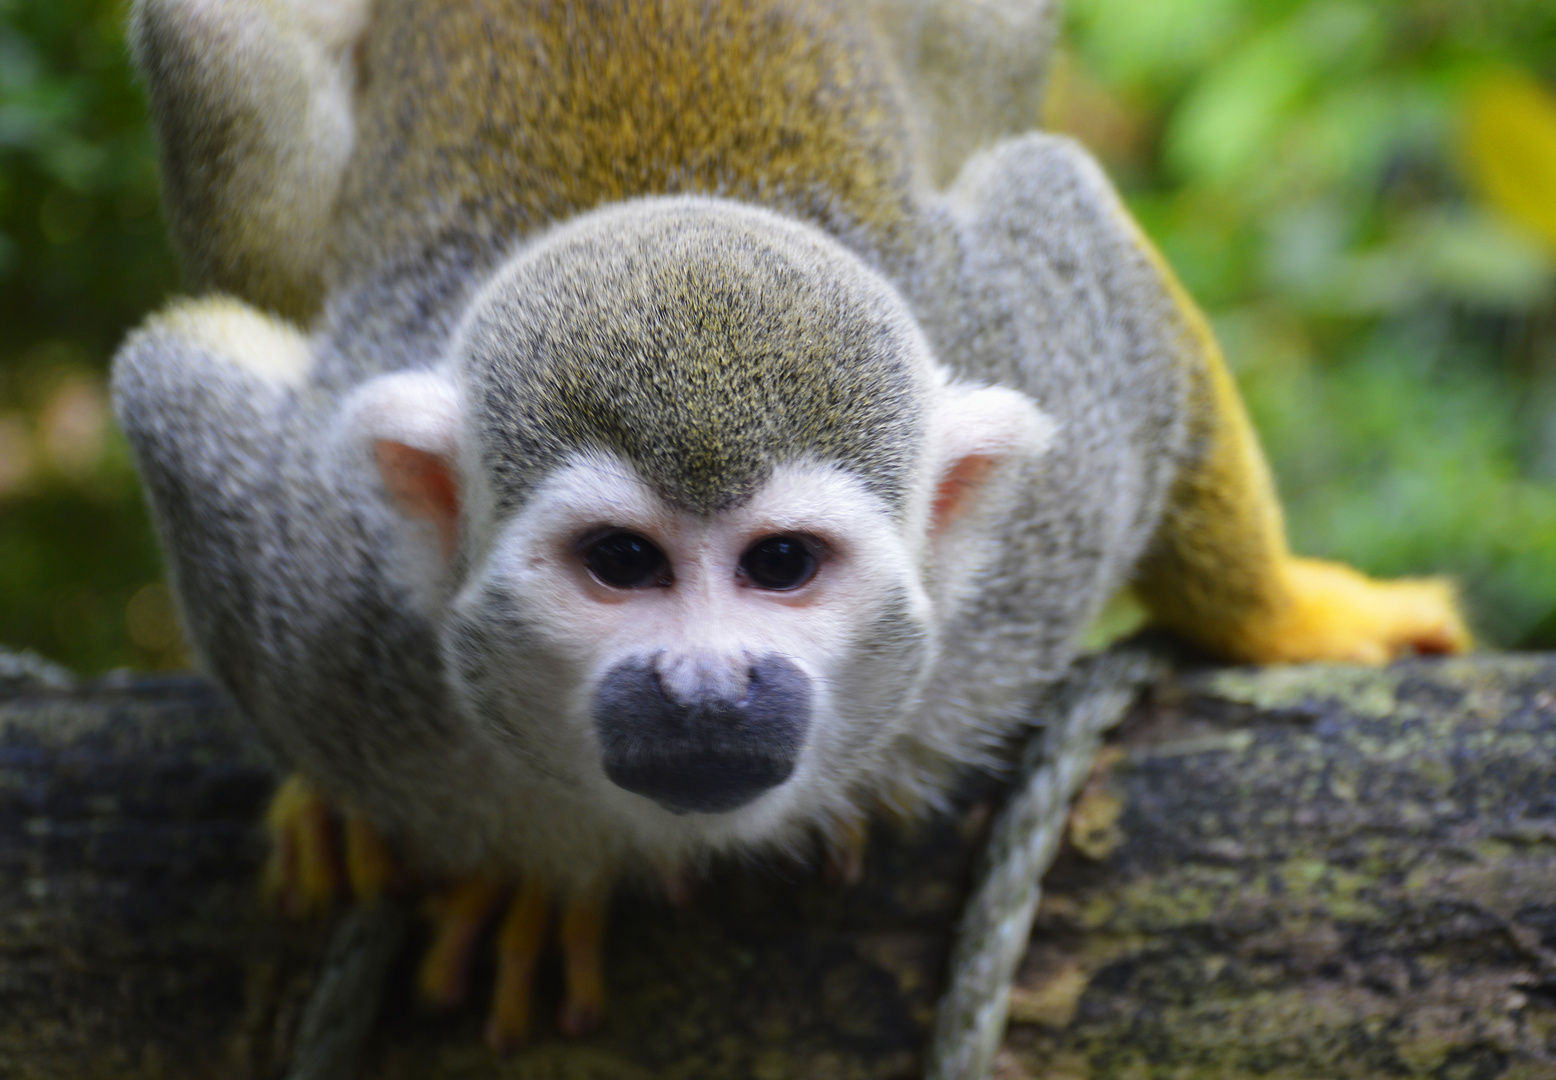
x,y
459,913
582,938
679,886
304,873
371,865
519,943
1338,614
579,1017
845,853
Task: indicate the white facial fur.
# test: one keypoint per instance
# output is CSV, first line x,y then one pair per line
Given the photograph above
x,y
562,630
707,609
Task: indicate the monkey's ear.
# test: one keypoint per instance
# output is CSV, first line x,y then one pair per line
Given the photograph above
x,y
977,430
410,423
423,485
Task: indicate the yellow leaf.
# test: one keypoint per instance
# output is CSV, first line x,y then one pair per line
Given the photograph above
x,y
1509,148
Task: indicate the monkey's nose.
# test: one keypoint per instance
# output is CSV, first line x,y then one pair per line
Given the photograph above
x,y
702,750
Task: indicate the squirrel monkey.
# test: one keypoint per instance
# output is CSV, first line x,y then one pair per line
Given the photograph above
x,y
608,435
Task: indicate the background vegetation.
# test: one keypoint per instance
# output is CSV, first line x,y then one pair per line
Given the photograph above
x,y
1362,193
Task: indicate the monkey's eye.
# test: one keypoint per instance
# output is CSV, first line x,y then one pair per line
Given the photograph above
x,y
625,560
778,562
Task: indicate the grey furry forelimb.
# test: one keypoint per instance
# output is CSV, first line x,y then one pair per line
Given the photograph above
x,y
997,919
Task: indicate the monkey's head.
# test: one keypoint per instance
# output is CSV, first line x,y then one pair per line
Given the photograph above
x,y
685,497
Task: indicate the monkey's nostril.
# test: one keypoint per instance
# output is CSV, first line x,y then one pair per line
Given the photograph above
x,y
753,688
657,684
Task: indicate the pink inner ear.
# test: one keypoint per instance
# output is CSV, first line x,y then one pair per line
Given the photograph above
x,y
424,486
960,481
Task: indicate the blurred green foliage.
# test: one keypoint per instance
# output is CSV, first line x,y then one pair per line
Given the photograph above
x,y
82,259
1347,187
1350,189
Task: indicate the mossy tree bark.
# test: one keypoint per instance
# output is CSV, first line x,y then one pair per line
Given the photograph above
x,y
1314,873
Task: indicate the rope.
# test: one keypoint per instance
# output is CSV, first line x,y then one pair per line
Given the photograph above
x,y
997,921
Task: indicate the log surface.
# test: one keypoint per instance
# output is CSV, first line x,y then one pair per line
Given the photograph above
x,y
1309,873
1293,873
132,942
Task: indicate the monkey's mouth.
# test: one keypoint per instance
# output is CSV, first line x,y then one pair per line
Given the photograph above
x,y
706,782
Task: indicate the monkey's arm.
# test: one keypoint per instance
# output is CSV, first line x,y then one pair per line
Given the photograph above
x,y
210,394
204,392
252,102
199,391
1216,569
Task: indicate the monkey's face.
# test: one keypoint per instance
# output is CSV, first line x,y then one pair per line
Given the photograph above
x,y
701,662
684,493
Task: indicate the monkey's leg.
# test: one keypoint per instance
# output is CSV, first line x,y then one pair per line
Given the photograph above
x,y
1220,572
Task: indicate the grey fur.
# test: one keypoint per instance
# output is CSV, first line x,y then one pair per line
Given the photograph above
x,y
975,71
706,342
702,342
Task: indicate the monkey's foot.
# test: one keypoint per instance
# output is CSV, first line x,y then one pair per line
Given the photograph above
x,y
460,913
315,858
1336,613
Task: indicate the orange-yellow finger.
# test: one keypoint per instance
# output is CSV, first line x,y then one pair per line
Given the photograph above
x,y
305,874
583,977
318,859
281,868
459,914
370,865
519,942
845,852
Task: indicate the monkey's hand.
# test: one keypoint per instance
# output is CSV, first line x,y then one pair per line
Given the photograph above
x,y
318,857
313,862
463,908
1331,612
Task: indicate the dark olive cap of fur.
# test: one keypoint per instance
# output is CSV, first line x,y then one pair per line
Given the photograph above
x,y
703,342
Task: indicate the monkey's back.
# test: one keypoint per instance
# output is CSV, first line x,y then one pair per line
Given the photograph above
x,y
479,123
